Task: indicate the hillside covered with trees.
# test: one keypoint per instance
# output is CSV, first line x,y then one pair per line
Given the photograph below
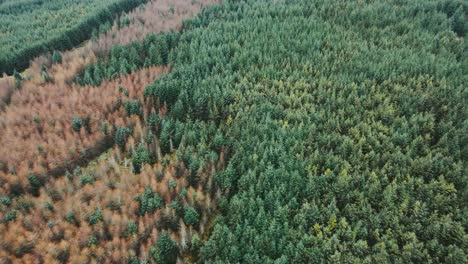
x,y
295,132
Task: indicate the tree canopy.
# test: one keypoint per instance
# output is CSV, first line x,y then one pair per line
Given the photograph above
x,y
30,27
347,125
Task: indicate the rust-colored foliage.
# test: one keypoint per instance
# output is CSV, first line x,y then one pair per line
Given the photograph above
x,y
156,16
57,228
49,220
37,132
36,126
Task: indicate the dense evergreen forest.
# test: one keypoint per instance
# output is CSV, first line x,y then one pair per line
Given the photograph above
x,y
346,123
28,30
304,131
153,50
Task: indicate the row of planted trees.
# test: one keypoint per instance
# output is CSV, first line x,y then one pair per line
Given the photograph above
x,y
39,35
152,51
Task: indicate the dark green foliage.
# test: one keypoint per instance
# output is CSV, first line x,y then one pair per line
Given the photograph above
x,y
105,128
193,166
460,22
121,135
34,184
69,175
78,123
191,216
153,50
29,31
49,206
86,178
103,28
178,112
10,216
177,207
149,202
140,158
162,50
133,107
132,228
166,250
77,171
172,184
56,57
24,205
96,75
71,217
93,241
154,121
218,141
345,124
166,136
95,217
18,79
37,120
5,200
196,243
125,21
